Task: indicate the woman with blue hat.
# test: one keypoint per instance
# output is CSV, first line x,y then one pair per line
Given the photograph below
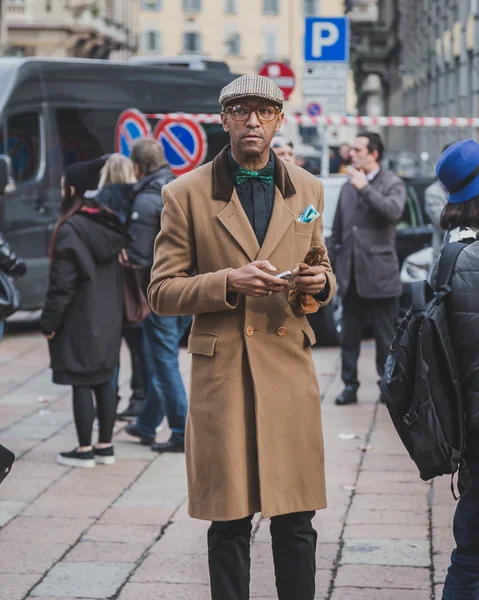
x,y
458,171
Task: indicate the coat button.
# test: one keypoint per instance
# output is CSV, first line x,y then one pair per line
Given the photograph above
x,y
281,331
250,330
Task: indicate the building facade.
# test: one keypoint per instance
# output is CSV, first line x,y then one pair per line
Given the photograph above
x,y
243,33
419,59
75,28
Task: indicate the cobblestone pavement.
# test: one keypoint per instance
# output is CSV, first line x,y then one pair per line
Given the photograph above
x,y
122,532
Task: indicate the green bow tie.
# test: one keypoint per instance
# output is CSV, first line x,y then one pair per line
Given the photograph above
x,y
265,175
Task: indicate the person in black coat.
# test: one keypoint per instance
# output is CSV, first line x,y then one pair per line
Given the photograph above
x,y
116,193
458,173
83,313
11,265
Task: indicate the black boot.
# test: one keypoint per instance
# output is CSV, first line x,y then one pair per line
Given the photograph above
x,y
133,411
347,396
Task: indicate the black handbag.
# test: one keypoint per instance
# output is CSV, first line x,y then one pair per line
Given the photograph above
x,y
9,296
7,458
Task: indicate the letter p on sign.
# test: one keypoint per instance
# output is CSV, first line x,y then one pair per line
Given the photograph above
x,y
326,39
324,35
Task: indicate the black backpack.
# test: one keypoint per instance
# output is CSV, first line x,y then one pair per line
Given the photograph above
x,y
421,384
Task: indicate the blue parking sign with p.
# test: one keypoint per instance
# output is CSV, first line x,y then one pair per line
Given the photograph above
x,y
326,39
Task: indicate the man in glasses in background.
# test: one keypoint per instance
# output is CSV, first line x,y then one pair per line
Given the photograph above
x,y
283,149
254,439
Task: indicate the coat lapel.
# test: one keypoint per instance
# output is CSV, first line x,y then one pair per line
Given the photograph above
x,y
281,219
233,217
235,221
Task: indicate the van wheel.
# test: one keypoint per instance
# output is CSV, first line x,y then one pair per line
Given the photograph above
x,y
326,323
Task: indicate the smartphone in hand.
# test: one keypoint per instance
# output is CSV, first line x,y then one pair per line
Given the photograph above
x,y
288,275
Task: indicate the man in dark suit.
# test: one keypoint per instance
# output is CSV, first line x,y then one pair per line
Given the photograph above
x,y
363,254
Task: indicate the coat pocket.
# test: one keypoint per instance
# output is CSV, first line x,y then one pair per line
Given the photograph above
x,y
380,249
309,337
202,343
306,228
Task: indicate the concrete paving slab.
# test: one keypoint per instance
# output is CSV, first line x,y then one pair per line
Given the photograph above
x,y
26,529
17,586
165,591
84,580
373,576
29,557
413,553
375,594
10,509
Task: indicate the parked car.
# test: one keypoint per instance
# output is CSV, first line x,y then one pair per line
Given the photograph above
x,y
416,267
414,233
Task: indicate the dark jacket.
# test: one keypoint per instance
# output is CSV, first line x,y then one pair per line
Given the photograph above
x,y
118,198
145,219
84,303
463,313
9,262
363,239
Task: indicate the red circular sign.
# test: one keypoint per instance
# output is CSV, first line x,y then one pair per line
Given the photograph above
x,y
131,126
184,143
282,74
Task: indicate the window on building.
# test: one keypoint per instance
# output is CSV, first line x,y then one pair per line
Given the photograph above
x,y
271,7
270,45
191,42
22,144
192,5
151,4
152,41
231,7
311,8
233,44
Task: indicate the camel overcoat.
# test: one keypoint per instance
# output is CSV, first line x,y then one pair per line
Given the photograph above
x,y
253,438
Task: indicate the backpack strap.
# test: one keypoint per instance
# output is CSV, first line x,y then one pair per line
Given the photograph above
x,y
419,293
447,262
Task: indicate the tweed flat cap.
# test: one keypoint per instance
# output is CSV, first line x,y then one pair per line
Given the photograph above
x,y
251,85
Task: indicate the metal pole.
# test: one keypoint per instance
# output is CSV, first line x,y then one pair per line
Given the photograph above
x,y
325,151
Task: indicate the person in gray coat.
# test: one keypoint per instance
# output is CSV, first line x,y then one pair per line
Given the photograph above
x,y
362,250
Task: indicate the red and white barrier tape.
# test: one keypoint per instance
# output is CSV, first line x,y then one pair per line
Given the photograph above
x,y
361,121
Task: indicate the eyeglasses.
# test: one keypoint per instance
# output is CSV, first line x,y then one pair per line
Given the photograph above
x,y
241,112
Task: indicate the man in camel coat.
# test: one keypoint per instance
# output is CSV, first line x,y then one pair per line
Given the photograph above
x,y
254,440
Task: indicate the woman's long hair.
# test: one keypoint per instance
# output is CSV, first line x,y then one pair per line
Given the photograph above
x,y
117,169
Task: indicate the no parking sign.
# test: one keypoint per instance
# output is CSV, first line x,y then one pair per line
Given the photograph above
x,y
184,143
132,125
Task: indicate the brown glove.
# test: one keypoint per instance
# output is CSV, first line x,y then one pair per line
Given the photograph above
x,y
306,303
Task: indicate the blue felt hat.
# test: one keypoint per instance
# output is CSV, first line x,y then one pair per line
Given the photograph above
x,y
458,171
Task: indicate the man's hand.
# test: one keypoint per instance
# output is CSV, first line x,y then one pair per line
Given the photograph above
x,y
254,280
311,280
357,178
49,336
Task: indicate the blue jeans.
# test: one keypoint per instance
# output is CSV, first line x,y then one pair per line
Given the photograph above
x,y
2,328
462,581
165,392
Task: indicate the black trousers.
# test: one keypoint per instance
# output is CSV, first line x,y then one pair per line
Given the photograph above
x,y
357,313
133,337
294,553
84,412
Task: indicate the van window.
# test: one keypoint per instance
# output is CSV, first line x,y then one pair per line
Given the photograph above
x,y
85,133
21,141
